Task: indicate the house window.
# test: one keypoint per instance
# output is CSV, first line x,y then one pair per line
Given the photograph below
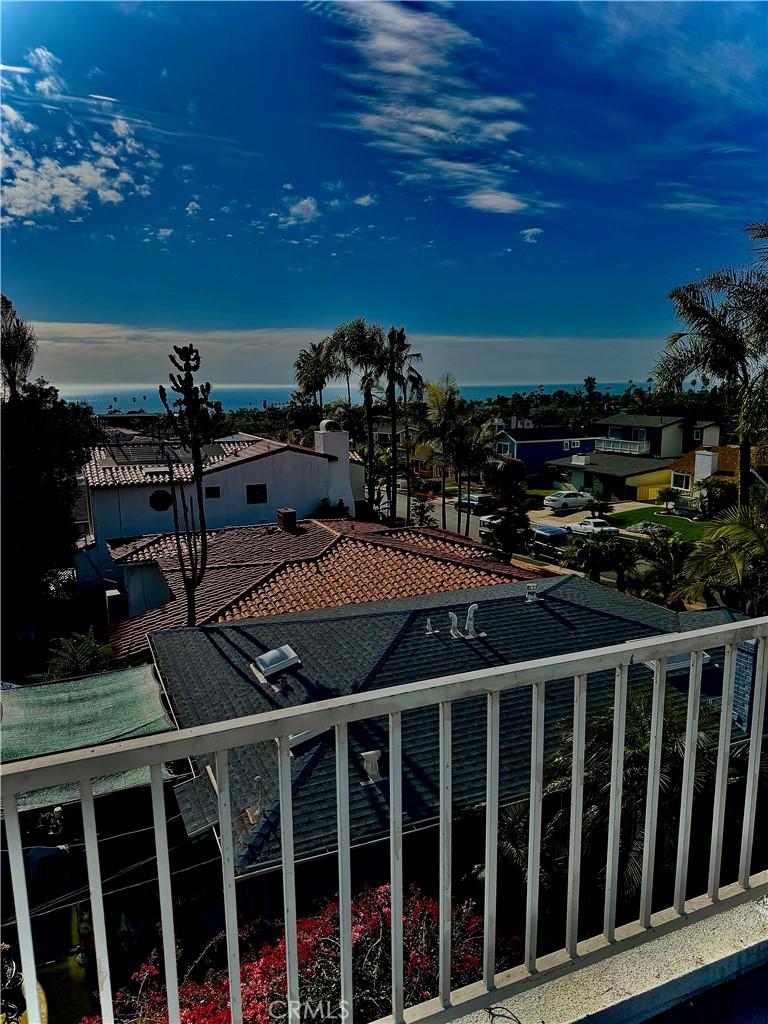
x,y
697,435
615,432
160,501
502,448
575,444
566,445
638,434
681,481
256,494
213,492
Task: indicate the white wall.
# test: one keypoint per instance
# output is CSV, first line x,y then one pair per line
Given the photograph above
x,y
711,436
672,441
293,480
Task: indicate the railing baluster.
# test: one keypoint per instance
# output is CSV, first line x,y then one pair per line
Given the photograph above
x,y
97,901
721,774
577,809
534,824
614,811
753,766
652,790
446,820
289,875
228,884
166,896
491,839
689,772
21,904
345,869
396,860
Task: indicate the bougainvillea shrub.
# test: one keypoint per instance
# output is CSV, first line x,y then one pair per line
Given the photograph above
x,y
262,974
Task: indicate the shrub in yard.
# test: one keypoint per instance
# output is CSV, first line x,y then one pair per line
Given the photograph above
x,y
262,973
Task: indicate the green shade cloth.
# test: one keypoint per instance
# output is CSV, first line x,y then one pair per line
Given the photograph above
x,y
75,713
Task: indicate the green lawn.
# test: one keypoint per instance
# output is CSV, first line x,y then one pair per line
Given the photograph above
x,y
543,493
685,527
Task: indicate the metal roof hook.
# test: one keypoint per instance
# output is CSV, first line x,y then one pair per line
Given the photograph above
x,y
455,631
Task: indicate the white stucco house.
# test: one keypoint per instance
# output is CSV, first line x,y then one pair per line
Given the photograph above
x,y
246,480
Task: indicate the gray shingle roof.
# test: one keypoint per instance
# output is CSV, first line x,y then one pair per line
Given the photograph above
x,y
206,672
615,465
621,419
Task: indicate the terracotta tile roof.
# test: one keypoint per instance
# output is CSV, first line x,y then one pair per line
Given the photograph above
x,y
727,460
356,572
260,570
140,465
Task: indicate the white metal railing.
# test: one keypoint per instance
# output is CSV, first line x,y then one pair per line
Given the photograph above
x,y
82,766
615,444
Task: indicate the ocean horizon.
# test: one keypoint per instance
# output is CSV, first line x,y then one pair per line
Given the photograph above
x,y
128,397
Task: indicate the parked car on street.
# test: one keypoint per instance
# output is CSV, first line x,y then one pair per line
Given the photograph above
x,y
547,542
477,504
593,526
486,528
562,500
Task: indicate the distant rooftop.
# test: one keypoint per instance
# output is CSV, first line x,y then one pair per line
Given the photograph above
x,y
625,419
263,570
131,465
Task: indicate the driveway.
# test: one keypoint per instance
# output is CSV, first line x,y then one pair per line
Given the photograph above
x,y
540,515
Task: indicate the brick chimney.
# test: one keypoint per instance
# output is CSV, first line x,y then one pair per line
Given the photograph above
x,y
286,519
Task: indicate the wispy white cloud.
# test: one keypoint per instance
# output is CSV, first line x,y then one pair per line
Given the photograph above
x,y
105,165
192,208
415,97
531,235
494,201
303,211
365,200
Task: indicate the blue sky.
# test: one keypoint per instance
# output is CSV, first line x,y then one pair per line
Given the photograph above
x,y
519,184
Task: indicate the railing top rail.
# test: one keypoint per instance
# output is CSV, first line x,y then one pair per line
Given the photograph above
x,y
91,762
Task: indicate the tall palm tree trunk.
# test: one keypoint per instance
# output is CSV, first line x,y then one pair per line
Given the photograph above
x,y
469,508
458,503
393,457
368,406
442,494
745,469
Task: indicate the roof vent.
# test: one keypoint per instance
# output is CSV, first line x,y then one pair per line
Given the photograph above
x,y
531,592
469,627
455,631
371,766
430,630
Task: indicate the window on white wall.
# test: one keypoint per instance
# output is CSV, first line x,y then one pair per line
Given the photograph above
x,y
256,494
681,481
213,492
697,435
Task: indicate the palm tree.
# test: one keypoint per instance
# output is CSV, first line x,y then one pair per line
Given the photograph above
x,y
622,557
589,555
367,353
479,445
730,563
415,382
351,418
441,396
726,340
513,822
18,348
660,580
340,354
401,360
313,369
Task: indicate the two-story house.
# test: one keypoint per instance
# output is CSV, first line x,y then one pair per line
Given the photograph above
x,y
632,460
245,481
536,446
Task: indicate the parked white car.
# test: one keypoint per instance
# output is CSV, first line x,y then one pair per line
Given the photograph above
x,y
594,526
576,500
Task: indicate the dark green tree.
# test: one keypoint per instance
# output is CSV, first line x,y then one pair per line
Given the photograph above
x,y
18,350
